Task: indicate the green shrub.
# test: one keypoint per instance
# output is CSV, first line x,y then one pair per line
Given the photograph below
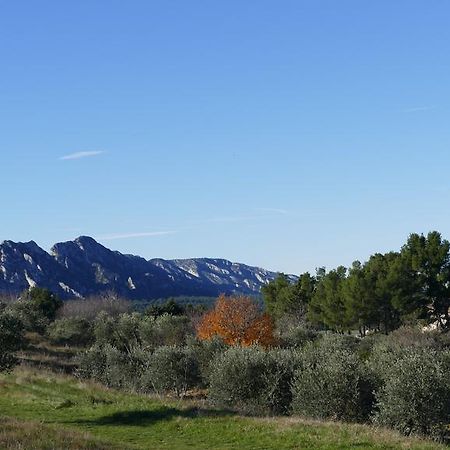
x,y
280,370
171,369
31,317
71,331
172,330
11,339
124,346
387,350
36,309
110,366
367,345
297,337
122,369
206,351
252,380
415,396
332,382
135,330
238,381
443,339
170,307
121,332
92,363
411,337
104,329
339,341
44,301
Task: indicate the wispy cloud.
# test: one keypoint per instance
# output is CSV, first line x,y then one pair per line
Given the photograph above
x,y
79,155
273,210
419,109
224,219
112,237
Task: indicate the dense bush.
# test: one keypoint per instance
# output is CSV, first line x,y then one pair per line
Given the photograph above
x,y
170,307
134,330
131,344
168,330
297,336
171,369
415,396
122,370
332,382
44,301
92,363
339,342
11,339
443,339
281,367
122,332
238,381
27,314
253,380
110,366
206,352
411,337
36,309
71,331
386,350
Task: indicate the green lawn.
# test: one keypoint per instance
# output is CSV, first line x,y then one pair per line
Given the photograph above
x,y
46,411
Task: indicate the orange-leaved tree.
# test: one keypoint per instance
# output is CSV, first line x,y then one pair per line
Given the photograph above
x,y
238,321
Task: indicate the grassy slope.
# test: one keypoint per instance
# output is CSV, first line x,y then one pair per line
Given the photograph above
x,y
97,416
33,435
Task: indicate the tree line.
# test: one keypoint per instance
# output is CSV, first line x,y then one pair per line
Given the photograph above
x,y
407,287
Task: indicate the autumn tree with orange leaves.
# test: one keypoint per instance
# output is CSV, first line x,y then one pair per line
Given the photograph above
x,y
238,321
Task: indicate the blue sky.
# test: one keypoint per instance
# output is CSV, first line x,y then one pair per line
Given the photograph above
x,y
284,134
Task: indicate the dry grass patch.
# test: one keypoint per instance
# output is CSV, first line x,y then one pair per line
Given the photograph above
x,y
382,436
30,435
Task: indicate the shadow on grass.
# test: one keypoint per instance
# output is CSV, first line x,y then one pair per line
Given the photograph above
x,y
149,417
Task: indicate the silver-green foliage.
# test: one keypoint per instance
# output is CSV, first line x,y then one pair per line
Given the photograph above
x,y
135,330
206,352
170,369
415,395
252,380
111,366
70,331
332,382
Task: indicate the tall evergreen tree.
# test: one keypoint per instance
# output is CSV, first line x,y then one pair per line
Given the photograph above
x,y
358,299
277,296
327,306
302,292
429,260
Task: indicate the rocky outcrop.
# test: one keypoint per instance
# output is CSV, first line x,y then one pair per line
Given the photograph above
x,y
84,267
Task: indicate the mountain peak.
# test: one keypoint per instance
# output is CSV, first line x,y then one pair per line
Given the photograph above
x,y
30,245
84,267
86,240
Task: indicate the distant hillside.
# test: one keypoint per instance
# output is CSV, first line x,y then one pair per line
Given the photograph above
x,y
84,267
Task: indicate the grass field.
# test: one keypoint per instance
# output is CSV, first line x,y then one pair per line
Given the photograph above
x,y
41,410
